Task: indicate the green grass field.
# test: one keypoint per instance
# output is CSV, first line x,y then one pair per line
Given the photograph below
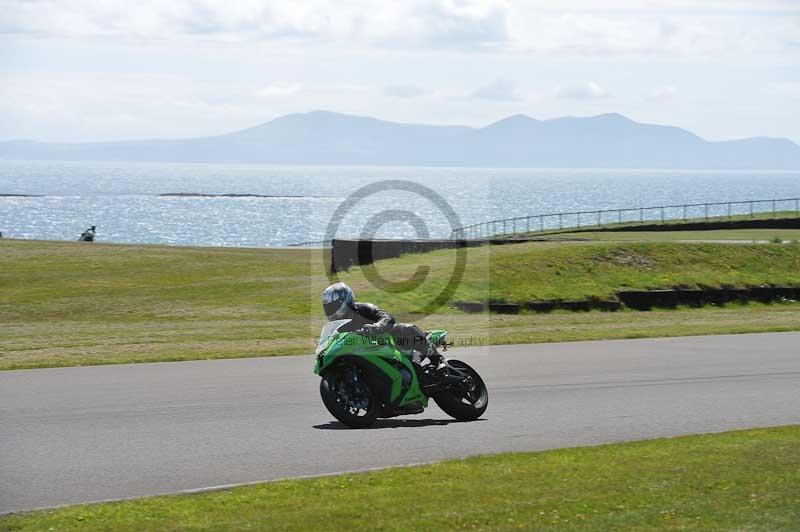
x,y
746,480
571,270
67,303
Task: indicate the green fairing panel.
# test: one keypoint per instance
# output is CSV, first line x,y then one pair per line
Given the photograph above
x,y
438,336
378,351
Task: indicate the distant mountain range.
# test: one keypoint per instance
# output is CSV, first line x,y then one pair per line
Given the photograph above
x,y
323,137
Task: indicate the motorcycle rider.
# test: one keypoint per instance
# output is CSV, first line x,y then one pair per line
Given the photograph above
x,y
338,302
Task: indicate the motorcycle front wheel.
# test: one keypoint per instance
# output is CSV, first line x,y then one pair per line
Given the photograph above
x,y
466,403
348,399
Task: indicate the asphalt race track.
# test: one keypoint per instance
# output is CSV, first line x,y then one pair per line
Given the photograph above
x,y
86,434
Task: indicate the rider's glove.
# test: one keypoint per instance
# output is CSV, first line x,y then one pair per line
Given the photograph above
x,y
368,330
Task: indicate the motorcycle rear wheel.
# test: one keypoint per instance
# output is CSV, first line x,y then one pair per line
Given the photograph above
x,y
468,405
335,390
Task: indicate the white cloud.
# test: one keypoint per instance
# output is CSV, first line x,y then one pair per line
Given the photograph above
x,y
662,93
410,23
88,106
577,27
100,65
98,106
582,91
405,91
790,89
279,89
500,90
469,22
663,27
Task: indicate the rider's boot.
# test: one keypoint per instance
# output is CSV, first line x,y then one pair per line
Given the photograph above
x,y
429,374
437,362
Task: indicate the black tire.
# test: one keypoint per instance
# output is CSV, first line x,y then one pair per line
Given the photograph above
x,y
333,401
464,407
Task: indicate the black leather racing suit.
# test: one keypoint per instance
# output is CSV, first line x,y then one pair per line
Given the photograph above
x,y
371,319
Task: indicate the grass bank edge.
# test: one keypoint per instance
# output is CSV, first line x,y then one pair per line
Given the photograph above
x,y
660,324
728,480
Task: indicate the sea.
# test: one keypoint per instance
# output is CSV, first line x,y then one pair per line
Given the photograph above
x,y
272,206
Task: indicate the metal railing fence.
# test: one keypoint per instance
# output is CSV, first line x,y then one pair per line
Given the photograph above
x,y
312,244
607,217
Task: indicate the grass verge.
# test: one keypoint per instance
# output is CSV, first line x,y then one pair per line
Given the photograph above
x,y
740,235
744,480
68,304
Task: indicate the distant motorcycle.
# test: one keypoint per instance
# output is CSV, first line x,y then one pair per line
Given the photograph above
x,y
88,235
367,377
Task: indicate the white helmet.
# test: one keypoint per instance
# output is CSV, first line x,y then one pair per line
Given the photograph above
x,y
337,299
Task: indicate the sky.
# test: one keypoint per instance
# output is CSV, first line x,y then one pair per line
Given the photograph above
x,y
98,70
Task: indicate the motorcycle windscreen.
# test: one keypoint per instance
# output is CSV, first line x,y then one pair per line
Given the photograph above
x,y
329,330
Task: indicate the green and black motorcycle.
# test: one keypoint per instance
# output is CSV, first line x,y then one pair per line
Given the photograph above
x,y
367,377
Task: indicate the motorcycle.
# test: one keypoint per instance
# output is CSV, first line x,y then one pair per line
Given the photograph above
x,y
369,377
